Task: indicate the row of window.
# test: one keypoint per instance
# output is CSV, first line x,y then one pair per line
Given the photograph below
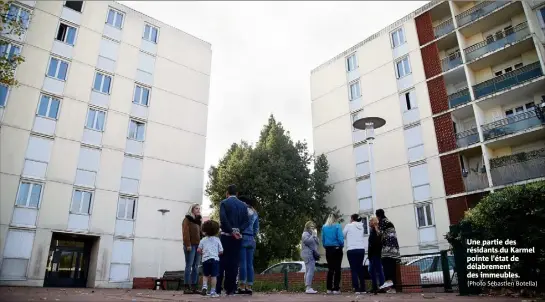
x,y
115,18
30,194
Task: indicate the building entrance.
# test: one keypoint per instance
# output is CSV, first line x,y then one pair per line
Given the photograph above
x,y
68,260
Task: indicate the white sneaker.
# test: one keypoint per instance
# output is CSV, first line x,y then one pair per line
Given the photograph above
x,y
310,291
386,284
336,292
391,291
329,292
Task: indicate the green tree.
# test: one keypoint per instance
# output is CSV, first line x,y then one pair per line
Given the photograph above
x,y
276,172
11,25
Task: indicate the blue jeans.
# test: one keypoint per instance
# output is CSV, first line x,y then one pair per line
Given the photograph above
x,y
355,259
246,273
192,261
375,270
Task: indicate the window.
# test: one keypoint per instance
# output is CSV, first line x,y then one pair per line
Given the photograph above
x,y
115,18
403,67
29,195
125,208
81,202
351,63
410,103
66,34
150,33
3,95
520,109
398,37
48,107
57,69
141,95
518,65
424,215
9,50
75,5
102,83
424,264
18,14
355,91
136,130
541,16
277,269
365,222
95,119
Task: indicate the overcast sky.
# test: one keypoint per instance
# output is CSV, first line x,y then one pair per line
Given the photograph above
x,y
262,55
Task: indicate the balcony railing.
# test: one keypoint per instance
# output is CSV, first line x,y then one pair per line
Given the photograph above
x,y
482,9
459,98
475,181
467,138
443,28
508,80
497,41
453,60
513,124
518,167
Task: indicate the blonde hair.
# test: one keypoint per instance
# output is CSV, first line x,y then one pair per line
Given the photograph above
x,y
331,219
191,208
309,225
373,219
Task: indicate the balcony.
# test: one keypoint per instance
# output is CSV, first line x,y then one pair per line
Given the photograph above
x,y
517,167
459,98
452,61
508,80
467,138
482,9
513,124
475,180
443,28
498,41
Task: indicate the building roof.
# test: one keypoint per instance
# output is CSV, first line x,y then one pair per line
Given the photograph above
x,y
383,31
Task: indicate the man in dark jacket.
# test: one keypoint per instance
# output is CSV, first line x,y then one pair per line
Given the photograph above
x,y
233,219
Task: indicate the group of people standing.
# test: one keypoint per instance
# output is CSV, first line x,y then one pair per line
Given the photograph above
x,y
226,257
382,253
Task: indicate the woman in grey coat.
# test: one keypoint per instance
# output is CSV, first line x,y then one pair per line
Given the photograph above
x,y
310,254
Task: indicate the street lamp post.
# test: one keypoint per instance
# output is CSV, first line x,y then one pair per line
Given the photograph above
x,y
369,124
163,223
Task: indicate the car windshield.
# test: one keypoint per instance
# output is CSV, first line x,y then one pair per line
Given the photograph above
x,y
424,264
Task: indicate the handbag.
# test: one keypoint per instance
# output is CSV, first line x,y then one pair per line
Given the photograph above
x,y
316,255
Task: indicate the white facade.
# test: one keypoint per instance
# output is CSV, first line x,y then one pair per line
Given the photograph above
x,y
107,126
384,76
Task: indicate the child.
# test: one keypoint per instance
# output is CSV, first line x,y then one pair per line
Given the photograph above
x,y
210,247
374,253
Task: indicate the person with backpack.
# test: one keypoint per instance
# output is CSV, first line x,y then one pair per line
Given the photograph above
x,y
355,251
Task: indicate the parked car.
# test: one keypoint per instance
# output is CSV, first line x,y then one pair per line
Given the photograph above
x,y
431,270
292,267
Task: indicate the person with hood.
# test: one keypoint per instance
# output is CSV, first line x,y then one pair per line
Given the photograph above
x,y
246,270
355,251
310,254
333,241
390,250
191,235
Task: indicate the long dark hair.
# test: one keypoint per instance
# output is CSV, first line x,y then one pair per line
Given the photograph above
x,y
380,214
356,217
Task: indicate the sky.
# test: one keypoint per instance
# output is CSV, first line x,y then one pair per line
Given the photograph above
x,y
262,55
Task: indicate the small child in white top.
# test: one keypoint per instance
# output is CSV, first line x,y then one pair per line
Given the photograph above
x,y
210,247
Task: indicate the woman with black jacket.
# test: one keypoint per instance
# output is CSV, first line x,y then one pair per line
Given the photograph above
x,y
374,253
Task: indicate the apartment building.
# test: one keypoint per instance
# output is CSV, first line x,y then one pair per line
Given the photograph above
x,y
461,87
101,144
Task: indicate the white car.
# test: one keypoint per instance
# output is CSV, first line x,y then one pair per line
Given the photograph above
x,y
431,271
292,267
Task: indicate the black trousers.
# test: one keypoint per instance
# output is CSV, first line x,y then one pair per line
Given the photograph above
x,y
389,267
334,258
229,261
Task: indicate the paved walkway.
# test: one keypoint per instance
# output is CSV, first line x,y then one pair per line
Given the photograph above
x,y
87,294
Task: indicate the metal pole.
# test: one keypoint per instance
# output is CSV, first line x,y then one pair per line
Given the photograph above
x,y
372,174
163,223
